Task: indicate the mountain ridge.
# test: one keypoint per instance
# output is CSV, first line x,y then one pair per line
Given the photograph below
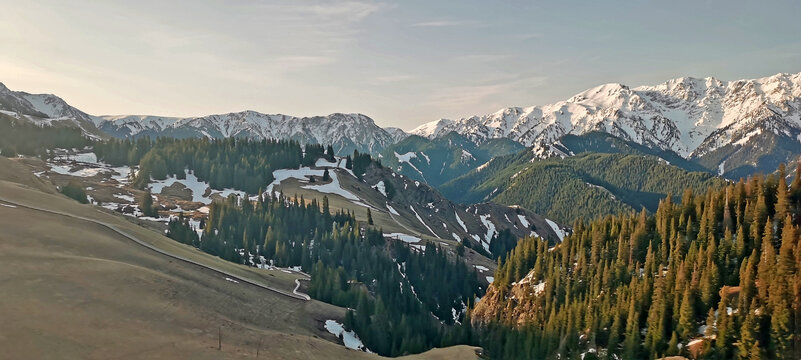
x,y
690,116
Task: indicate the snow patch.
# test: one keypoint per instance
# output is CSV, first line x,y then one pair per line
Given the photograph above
x,y
559,232
459,220
403,237
332,188
421,220
349,338
381,188
523,221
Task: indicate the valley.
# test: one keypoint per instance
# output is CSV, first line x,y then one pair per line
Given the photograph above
x,y
443,242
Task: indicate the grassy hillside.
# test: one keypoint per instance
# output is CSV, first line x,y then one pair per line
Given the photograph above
x,y
75,289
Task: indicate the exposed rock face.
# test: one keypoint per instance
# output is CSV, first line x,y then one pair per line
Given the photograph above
x,y
516,306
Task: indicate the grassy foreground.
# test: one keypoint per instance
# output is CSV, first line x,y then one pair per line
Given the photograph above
x,y
74,289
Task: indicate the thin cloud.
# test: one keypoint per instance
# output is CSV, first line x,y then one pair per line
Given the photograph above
x,y
443,23
390,79
457,98
530,36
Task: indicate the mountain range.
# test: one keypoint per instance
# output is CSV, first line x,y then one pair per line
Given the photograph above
x,y
707,120
732,128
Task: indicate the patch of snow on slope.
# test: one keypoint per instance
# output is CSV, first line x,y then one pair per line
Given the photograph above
x,y
461,223
127,198
349,338
88,158
191,182
333,188
747,137
88,172
559,232
405,158
466,156
485,219
392,210
524,221
421,220
403,237
428,160
381,188
722,167
490,279
300,174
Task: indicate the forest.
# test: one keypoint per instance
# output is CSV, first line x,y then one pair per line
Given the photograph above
x,y
714,276
241,164
587,185
401,300
24,138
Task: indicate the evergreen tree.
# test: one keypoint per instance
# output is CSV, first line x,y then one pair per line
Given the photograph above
x,y
146,204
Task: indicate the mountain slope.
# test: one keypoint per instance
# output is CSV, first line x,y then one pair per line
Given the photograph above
x,y
436,161
587,185
46,109
691,117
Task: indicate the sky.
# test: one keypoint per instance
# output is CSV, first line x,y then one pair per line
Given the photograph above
x,y
402,63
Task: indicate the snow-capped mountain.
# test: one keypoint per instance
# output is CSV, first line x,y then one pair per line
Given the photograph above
x,y
346,132
44,109
689,116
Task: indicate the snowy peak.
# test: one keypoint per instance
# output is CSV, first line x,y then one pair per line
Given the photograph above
x,y
348,132
44,109
689,116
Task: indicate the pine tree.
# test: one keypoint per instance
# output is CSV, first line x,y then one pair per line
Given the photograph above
x,y
369,217
631,343
686,326
749,331
781,335
146,204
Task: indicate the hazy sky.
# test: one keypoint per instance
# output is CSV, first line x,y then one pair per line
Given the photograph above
x,y
402,63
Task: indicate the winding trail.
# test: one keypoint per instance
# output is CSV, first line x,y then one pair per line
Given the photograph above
x,y
294,294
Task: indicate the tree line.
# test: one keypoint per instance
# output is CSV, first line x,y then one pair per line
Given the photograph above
x,y
721,267
242,164
23,138
400,300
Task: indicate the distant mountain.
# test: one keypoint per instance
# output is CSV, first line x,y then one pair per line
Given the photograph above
x,y
587,185
601,142
45,109
734,128
691,117
346,132
436,161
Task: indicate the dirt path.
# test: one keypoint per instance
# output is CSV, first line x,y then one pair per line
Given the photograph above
x,y
294,294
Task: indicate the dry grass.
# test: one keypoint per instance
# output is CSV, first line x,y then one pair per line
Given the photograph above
x,y
74,289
